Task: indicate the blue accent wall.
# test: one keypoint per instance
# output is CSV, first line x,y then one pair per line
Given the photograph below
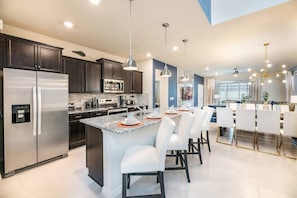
x,y
206,7
197,80
172,82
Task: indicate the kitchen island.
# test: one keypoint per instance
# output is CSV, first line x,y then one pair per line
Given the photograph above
x,y
107,141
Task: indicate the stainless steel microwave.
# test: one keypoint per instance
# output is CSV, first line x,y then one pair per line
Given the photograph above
x,y
113,86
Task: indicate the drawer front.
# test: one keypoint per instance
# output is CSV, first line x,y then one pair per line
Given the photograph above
x,y
74,117
98,113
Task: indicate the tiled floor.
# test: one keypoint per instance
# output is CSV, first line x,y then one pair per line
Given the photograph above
x,y
227,172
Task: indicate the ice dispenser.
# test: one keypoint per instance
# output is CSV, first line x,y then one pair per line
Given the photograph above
x,y
20,113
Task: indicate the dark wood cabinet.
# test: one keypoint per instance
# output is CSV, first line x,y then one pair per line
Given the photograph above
x,y
136,82
94,154
25,54
2,51
111,69
133,81
75,68
77,135
84,76
93,77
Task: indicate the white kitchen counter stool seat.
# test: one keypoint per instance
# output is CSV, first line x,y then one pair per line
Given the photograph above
x,y
148,160
289,130
245,131
195,132
179,142
205,127
225,124
268,124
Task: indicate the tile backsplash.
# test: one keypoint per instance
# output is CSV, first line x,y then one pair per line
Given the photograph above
x,y
79,99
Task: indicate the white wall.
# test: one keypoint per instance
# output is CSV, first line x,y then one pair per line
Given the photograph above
x,y
91,54
146,66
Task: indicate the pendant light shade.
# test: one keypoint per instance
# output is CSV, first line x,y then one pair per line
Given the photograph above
x,y
130,64
185,77
165,72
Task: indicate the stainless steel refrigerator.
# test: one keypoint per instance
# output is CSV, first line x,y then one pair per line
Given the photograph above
x,y
35,117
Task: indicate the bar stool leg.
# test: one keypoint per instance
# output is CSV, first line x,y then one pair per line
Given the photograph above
x,y
186,165
124,190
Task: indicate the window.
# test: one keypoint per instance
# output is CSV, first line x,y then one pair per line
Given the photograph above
x,y
231,90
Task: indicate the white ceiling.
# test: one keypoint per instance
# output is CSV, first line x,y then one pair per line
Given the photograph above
x,y
235,43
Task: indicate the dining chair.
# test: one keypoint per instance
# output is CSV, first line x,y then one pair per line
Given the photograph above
x,y
179,143
205,127
245,128
195,133
287,133
268,124
146,159
225,124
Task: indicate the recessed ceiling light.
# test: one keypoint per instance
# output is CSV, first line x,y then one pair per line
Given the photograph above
x,y
269,81
277,75
284,66
284,81
284,72
206,68
216,73
148,55
269,65
249,69
262,70
68,24
175,48
95,2
250,77
254,74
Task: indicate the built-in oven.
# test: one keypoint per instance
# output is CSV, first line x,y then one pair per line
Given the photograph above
x,y
112,86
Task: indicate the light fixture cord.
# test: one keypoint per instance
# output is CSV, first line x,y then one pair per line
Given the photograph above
x,y
130,22
165,47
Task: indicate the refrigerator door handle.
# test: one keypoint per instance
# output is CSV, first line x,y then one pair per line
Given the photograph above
x,y
34,109
39,110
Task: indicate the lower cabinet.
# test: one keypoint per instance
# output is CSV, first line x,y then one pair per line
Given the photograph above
x,y
77,135
94,154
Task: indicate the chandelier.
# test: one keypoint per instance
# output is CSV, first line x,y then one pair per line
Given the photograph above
x,y
266,74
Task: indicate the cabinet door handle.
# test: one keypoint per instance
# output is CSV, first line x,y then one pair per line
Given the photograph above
x,y
39,67
35,66
78,116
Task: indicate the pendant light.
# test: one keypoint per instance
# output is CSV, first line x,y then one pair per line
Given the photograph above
x,y
185,77
165,72
130,64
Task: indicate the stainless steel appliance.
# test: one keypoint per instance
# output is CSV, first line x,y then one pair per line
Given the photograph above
x,y
35,117
112,106
113,86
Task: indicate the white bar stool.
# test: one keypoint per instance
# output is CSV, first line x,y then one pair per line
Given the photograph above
x,y
148,160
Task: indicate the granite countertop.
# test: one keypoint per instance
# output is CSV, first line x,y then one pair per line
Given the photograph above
x,y
110,123
83,110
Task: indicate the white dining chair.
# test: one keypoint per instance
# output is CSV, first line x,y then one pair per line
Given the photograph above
x,y
179,143
206,126
225,124
195,133
146,159
268,124
287,133
245,128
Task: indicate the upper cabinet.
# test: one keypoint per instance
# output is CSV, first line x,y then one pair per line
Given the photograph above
x,y
2,51
25,54
75,68
84,76
133,82
93,77
111,69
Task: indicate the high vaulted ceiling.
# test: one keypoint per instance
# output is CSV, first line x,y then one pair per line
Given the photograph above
x,y
234,43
